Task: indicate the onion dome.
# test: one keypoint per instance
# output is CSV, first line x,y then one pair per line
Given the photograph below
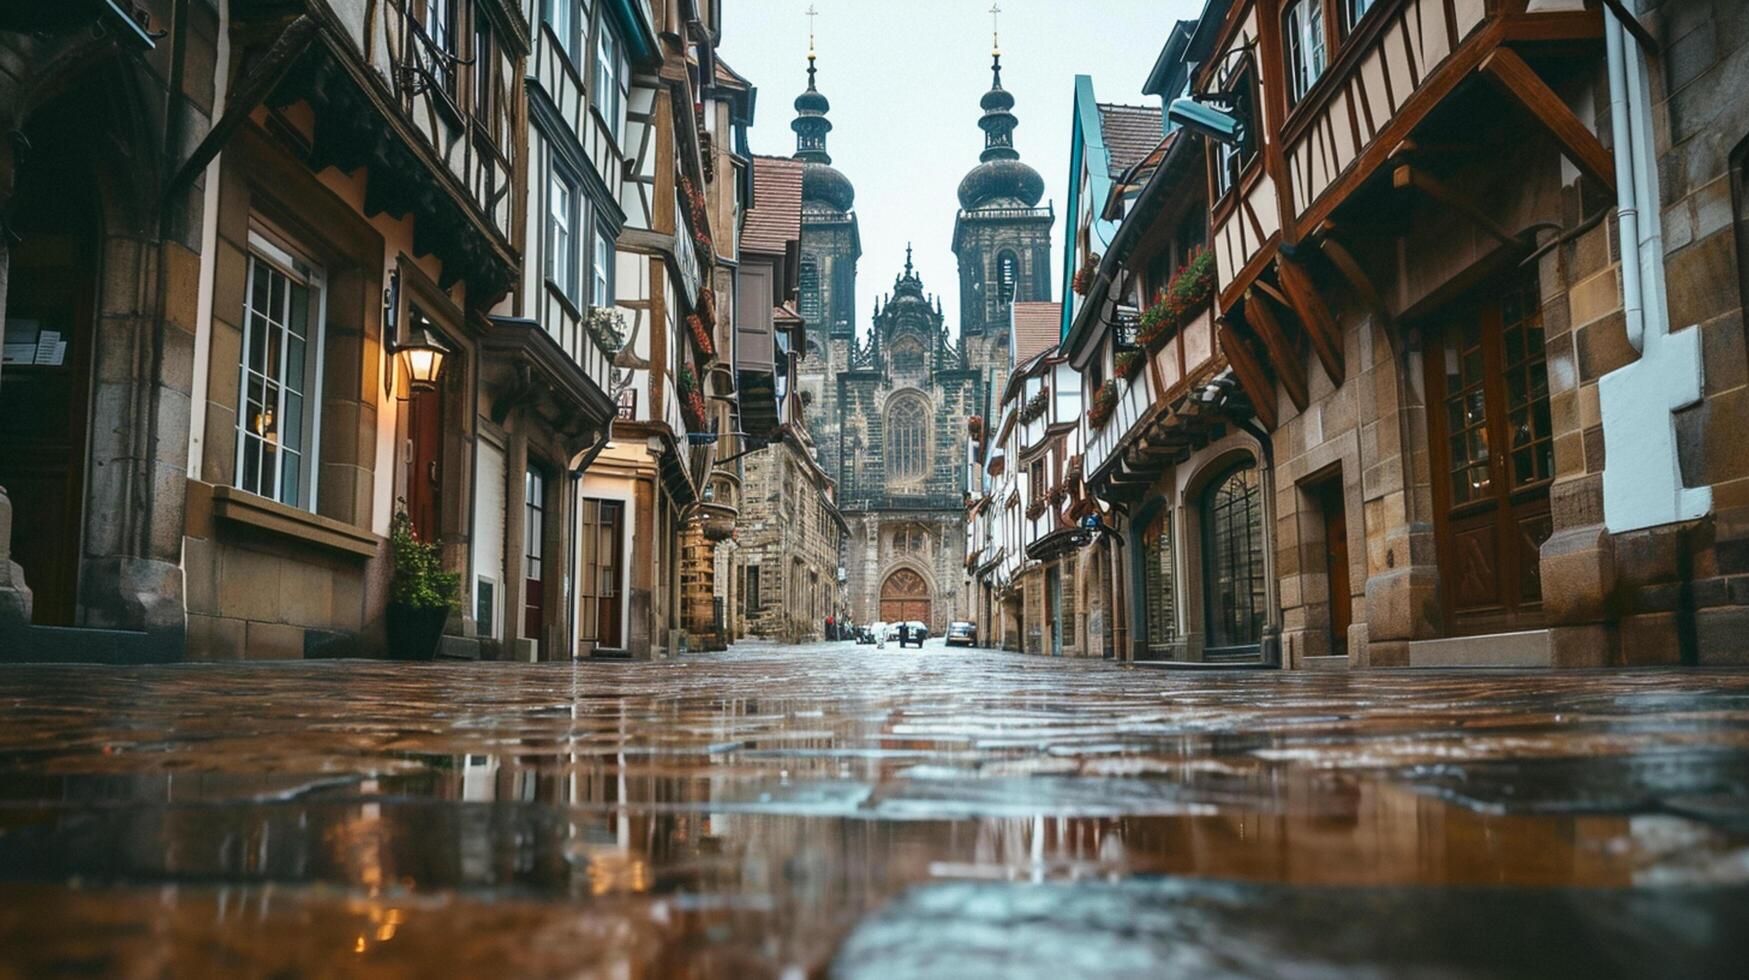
x,y
1000,180
821,185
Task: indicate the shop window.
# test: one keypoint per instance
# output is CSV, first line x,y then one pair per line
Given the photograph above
x,y
279,370
1233,572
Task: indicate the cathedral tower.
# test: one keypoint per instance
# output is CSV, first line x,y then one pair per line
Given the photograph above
x,y
830,247
1001,236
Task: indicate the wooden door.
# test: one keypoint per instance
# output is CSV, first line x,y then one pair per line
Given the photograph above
x,y
1493,454
45,385
425,462
534,533
904,597
1330,504
603,564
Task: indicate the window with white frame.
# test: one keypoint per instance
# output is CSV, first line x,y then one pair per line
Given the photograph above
x,y
562,251
569,22
601,269
279,374
1303,32
611,78
1231,158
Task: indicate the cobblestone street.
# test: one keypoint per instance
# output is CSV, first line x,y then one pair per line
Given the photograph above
x,y
860,812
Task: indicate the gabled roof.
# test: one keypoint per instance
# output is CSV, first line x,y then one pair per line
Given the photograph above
x,y
1130,132
1131,181
776,216
1036,327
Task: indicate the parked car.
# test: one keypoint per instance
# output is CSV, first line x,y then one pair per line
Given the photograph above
x,y
961,634
864,635
914,633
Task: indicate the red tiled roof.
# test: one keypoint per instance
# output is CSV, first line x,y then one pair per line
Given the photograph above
x,y
1130,131
1037,326
776,216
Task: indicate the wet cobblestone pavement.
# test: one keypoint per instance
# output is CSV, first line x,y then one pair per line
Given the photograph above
x,y
839,810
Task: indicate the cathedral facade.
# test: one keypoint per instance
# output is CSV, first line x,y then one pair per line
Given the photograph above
x,y
889,408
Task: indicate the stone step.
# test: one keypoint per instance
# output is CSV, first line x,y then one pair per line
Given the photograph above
x,y
1529,648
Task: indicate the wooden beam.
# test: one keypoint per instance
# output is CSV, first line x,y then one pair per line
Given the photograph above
x,y
1350,270
1283,355
1514,78
1408,176
1250,375
1321,328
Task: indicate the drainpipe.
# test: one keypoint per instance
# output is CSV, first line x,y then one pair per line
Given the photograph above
x,y
1627,182
1642,476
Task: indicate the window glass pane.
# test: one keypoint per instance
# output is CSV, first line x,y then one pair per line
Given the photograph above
x,y
276,372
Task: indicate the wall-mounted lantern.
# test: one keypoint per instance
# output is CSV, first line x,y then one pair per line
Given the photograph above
x,y
421,355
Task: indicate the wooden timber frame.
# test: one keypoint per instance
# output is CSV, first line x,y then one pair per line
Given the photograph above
x,y
1270,292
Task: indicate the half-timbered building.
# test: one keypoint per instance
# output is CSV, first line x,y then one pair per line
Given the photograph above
x,y
1459,281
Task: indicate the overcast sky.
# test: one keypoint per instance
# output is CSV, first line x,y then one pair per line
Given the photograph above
x,y
904,78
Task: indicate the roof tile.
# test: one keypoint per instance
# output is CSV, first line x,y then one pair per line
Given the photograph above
x,y
1130,131
776,217
1037,327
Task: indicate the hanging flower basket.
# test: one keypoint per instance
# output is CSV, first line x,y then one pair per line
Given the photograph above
x,y
1104,403
700,335
975,426
608,326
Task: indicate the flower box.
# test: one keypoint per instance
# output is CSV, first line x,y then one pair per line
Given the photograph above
x,y
1036,405
1104,404
1184,296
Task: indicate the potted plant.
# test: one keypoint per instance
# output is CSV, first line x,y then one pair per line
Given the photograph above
x,y
420,594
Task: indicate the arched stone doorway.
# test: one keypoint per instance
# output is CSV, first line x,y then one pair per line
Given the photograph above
x,y
904,597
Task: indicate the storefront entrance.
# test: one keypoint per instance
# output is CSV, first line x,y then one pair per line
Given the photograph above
x,y
1493,460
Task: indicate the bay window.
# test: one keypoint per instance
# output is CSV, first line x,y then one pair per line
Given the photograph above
x,y
611,79
601,269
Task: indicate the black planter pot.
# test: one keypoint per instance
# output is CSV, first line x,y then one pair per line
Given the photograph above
x,y
414,631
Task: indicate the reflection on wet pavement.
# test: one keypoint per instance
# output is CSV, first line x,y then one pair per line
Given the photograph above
x,y
764,811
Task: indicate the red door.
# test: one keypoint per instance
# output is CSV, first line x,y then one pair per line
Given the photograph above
x,y
425,468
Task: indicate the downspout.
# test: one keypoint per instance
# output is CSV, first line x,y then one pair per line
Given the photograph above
x,y
1642,474
1626,183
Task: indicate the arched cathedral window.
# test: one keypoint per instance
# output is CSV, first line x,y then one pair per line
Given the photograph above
x,y
907,454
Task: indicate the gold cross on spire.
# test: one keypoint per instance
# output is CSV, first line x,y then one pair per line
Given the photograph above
x,y
812,13
995,28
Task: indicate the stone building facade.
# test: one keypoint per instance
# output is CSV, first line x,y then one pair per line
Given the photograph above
x,y
889,411
791,535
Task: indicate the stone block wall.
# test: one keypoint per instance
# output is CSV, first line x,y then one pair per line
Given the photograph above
x,y
788,536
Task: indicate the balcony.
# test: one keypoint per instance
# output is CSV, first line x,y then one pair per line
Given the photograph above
x,y
523,366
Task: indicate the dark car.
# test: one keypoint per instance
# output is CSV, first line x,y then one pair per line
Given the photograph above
x,y
961,634
864,635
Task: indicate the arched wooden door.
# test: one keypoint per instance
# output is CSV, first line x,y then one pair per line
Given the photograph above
x,y
904,597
